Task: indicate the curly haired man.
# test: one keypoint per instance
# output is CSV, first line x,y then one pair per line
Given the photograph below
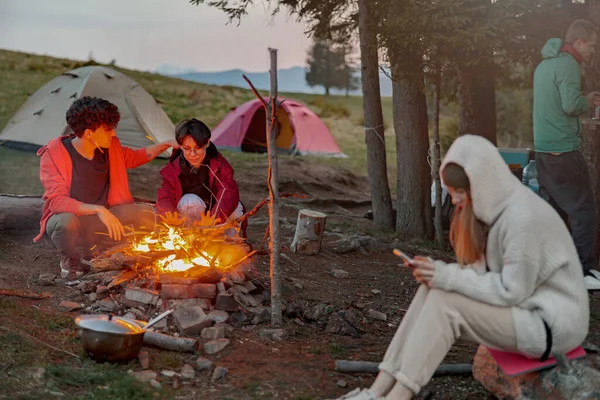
x,y
87,197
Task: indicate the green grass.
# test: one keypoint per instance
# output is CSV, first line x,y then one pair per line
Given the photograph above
x,y
21,74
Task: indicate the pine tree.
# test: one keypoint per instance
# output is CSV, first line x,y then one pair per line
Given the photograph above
x,y
326,66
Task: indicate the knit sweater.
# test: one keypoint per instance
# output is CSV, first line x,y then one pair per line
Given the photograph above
x,y
532,264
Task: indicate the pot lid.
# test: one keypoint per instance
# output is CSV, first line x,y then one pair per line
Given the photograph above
x,y
108,324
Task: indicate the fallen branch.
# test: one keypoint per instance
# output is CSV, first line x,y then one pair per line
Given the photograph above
x,y
25,294
373,368
39,341
173,343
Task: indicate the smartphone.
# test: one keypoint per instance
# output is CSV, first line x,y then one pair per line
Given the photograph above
x,y
407,260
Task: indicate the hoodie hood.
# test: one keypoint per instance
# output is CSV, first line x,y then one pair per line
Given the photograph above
x,y
552,48
492,182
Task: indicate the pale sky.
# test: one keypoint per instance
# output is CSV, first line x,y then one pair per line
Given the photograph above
x,y
143,34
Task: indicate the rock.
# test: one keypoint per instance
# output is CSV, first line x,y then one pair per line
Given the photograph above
x,y
298,286
144,359
39,373
93,296
216,332
215,346
87,287
246,300
364,295
274,335
106,305
219,374
188,372
341,383
68,306
237,289
203,364
190,321
101,289
334,325
376,292
144,376
176,304
155,384
315,312
339,273
198,290
345,245
237,319
226,302
226,327
47,278
579,383
168,375
218,316
377,315
353,316
144,296
337,324
261,315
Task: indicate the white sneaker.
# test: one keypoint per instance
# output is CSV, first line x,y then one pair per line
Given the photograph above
x,y
595,272
591,283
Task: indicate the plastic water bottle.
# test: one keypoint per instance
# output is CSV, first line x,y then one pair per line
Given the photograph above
x,y
530,178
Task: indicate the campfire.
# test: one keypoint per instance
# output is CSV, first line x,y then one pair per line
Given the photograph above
x,y
188,252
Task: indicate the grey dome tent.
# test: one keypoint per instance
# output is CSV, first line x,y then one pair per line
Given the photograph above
x,y
42,117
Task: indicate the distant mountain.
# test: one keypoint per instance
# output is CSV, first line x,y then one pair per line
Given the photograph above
x,y
290,80
172,70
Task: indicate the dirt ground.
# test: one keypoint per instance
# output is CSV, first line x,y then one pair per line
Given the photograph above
x,y
301,367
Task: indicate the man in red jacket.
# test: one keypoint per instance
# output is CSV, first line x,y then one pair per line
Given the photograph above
x,y
198,180
85,181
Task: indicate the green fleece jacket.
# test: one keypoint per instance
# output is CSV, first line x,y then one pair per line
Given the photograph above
x,y
557,101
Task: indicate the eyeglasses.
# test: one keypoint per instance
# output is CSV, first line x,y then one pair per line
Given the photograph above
x,y
195,150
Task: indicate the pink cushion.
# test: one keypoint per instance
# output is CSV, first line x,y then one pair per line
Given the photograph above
x,y
516,364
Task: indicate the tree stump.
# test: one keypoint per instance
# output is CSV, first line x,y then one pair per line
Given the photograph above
x,y
309,232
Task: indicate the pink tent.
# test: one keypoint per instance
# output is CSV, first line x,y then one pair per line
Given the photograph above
x,y
301,131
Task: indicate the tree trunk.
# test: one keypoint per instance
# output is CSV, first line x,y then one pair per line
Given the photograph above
x,y
273,183
591,129
20,213
381,200
477,100
439,231
309,232
413,216
326,90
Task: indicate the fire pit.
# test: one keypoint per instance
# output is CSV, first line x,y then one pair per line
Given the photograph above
x,y
183,268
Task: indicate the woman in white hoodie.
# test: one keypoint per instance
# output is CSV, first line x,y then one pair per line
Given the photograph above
x,y
517,286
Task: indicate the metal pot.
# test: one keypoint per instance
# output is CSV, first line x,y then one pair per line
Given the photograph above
x,y
108,338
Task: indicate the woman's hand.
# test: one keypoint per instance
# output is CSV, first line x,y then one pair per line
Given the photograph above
x,y
424,270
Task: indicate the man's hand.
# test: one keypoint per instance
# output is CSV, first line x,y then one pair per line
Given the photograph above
x,y
593,99
424,270
112,223
154,150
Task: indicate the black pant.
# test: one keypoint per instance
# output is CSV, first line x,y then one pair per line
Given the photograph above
x,y
566,180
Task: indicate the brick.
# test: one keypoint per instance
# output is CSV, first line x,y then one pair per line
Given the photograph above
x,y
218,316
215,346
144,359
198,290
237,276
144,376
226,302
190,321
213,333
176,304
144,296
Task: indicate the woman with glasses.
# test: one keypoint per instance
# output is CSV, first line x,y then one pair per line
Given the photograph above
x,y
198,181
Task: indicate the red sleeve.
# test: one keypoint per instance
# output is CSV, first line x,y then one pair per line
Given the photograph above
x,y
227,192
166,196
134,158
56,190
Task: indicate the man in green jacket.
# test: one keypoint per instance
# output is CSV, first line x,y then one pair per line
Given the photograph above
x,y
557,105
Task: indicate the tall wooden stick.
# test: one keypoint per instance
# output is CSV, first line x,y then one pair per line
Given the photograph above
x,y
276,318
273,178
